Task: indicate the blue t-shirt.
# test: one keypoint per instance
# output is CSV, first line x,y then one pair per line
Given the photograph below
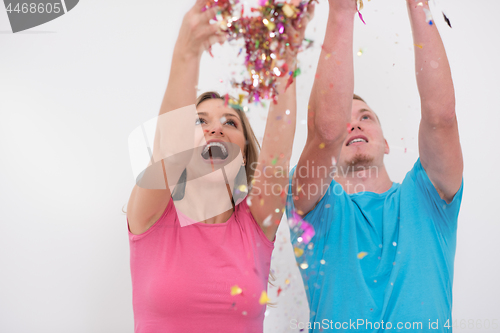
x,y
380,257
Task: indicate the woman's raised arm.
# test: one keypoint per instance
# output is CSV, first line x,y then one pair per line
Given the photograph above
x,y
196,35
270,183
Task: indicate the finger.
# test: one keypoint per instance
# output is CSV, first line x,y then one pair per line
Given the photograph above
x,y
200,4
214,29
310,11
210,13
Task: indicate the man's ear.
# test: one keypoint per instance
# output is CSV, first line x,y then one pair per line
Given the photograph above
x,y
387,149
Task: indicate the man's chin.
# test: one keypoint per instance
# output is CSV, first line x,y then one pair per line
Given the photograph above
x,y
359,161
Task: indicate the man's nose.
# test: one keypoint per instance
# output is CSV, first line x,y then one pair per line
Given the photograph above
x,y
353,126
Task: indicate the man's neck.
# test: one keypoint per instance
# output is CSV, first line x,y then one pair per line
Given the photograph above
x,y
363,179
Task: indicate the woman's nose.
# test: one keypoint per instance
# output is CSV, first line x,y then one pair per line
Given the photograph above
x,y
215,130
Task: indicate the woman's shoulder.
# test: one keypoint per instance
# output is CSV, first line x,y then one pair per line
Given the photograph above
x,y
244,216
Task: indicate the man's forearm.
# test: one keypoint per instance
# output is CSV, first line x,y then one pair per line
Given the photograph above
x,y
433,73
331,96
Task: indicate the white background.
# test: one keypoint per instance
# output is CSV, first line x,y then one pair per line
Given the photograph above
x,y
73,89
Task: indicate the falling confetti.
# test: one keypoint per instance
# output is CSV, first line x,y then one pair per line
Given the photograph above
x,y
267,221
235,290
361,255
447,20
266,42
263,298
301,226
360,7
298,251
428,16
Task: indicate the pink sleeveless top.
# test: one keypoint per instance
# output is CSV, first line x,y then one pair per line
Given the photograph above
x,y
182,276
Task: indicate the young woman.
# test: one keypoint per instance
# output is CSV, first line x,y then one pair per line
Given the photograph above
x,y
209,274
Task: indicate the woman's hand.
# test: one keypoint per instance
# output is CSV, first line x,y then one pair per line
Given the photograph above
x,y
296,34
197,34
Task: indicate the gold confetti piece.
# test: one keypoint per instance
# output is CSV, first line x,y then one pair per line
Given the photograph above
x,y
263,298
360,53
298,251
321,145
288,10
235,290
420,46
262,202
361,255
360,4
304,265
243,188
287,281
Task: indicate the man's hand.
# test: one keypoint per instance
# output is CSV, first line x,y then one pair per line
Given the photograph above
x,y
349,6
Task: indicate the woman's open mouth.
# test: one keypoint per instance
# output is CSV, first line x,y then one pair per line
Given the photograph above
x,y
215,150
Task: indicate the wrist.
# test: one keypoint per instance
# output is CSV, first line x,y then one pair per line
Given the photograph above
x,y
185,54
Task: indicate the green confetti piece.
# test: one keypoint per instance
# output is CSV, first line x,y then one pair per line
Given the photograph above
x,y
296,73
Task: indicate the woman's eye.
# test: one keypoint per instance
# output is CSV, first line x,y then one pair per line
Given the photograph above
x,y
231,123
199,121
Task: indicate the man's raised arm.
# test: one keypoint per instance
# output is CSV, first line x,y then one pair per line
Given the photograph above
x,y
330,106
439,144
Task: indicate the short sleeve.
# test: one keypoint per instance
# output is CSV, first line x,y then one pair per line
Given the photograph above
x,y
443,213
321,216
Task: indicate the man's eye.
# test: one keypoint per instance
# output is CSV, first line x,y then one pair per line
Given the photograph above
x,y
365,117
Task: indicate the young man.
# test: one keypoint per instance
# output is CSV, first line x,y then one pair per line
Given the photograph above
x,y
383,253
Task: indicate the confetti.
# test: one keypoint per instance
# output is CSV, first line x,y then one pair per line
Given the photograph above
x,y
235,290
266,42
428,16
321,145
361,255
360,7
298,252
447,20
301,226
267,221
279,291
263,298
